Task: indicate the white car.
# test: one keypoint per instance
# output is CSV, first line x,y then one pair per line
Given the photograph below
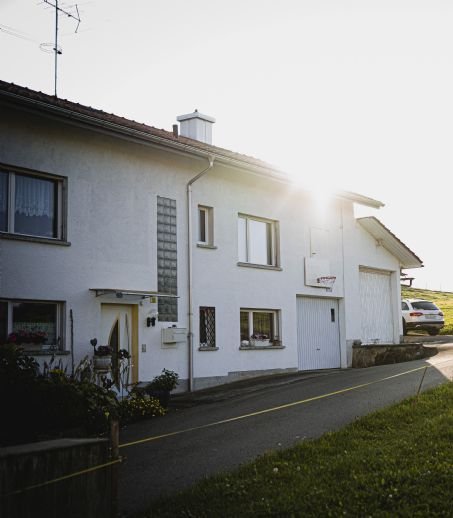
x,y
421,314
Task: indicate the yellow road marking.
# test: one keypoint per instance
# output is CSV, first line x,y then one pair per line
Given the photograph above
x,y
216,423
64,477
265,411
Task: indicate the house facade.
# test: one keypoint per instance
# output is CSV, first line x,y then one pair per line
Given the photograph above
x,y
192,257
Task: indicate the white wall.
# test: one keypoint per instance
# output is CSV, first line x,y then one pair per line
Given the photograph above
x,y
113,186
364,251
112,201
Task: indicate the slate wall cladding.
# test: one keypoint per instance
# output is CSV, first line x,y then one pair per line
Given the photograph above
x,y
167,259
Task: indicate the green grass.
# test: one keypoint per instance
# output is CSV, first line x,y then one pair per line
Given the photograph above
x,y
442,299
394,462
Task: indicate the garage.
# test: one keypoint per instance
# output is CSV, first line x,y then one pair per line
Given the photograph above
x,y
318,333
376,307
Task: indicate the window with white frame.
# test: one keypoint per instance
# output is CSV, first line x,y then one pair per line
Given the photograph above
x,y
257,241
207,327
31,204
34,325
259,327
205,226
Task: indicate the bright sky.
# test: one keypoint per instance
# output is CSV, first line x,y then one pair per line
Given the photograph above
x,y
354,93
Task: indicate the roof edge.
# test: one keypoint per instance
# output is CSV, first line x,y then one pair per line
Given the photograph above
x,y
418,263
56,106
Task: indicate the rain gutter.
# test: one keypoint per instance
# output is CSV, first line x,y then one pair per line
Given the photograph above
x,y
190,267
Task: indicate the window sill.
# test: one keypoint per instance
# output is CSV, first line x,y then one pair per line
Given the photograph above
x,y
260,347
209,247
260,266
208,348
34,239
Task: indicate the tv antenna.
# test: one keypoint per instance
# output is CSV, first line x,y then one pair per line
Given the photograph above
x,y
47,47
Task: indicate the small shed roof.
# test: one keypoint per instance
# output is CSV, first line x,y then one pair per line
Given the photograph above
x,y
390,242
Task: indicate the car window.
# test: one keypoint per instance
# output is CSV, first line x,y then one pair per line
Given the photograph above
x,y
424,304
404,306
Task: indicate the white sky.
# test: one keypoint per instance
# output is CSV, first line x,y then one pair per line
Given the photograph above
x,y
354,93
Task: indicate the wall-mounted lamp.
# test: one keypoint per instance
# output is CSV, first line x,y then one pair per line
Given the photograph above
x,y
151,320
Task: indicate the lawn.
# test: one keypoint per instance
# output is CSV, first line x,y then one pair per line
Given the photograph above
x,y
394,462
442,299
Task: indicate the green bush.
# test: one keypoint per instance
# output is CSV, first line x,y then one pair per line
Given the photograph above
x,y
138,407
37,405
167,380
40,405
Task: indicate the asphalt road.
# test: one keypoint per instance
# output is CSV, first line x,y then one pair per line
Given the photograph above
x,y
199,446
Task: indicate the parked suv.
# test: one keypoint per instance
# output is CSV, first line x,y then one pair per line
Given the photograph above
x,y
421,314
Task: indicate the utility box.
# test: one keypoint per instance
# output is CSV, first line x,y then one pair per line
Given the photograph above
x,y
173,335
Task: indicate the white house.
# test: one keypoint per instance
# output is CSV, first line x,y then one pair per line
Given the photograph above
x,y
192,257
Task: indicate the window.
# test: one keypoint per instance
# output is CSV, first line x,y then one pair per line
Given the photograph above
x,y
404,306
167,259
207,327
424,305
259,327
205,226
31,204
257,241
33,325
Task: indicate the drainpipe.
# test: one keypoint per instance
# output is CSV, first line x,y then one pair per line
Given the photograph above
x,y
189,266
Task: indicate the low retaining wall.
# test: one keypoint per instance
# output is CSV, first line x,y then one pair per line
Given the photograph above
x,y
90,495
369,355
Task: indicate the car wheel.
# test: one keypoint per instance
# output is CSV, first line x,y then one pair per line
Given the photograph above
x,y
433,332
404,328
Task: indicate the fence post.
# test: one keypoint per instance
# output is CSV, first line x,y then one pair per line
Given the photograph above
x,y
115,455
421,381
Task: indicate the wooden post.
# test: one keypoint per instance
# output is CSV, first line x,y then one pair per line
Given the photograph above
x,y
421,382
114,455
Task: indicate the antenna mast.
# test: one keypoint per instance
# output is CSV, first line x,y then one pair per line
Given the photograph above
x,y
56,49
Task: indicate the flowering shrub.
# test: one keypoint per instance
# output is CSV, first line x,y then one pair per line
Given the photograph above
x,y
138,407
27,337
46,403
39,404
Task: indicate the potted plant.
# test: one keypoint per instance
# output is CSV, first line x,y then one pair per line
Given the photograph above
x,y
161,386
102,356
259,339
23,337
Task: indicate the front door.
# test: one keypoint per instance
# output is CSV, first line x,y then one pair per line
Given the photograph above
x,y
117,330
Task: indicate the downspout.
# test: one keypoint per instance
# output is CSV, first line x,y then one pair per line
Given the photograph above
x,y
189,266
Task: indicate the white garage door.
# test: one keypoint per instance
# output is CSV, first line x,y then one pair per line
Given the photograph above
x,y
318,333
376,307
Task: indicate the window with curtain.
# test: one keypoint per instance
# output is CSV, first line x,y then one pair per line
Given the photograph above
x,y
4,200
35,204
259,326
31,324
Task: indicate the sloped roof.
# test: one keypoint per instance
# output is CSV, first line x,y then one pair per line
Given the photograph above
x,y
390,242
79,113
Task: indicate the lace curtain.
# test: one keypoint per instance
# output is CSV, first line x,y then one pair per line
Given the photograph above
x,y
3,191
34,196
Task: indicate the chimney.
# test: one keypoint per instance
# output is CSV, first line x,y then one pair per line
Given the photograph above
x,y
196,126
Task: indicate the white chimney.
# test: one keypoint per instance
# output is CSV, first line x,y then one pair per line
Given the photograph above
x,y
196,126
